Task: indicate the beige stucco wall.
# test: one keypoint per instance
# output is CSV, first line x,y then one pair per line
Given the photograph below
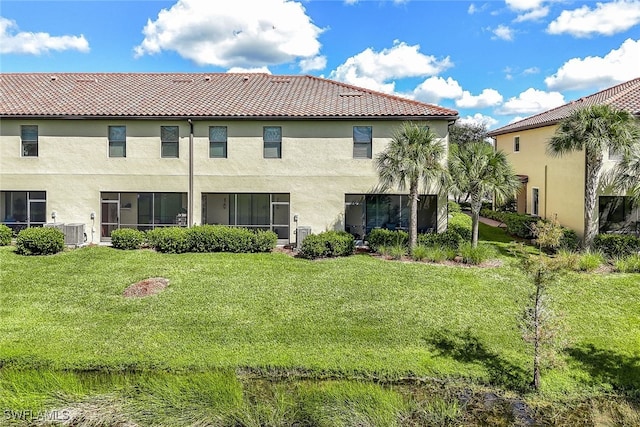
x,y
560,179
317,166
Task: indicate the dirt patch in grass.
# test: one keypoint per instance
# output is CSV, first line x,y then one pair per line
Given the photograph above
x,y
146,287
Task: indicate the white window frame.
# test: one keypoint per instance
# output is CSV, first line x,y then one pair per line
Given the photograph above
x,y
358,144
535,201
24,142
110,141
167,141
223,144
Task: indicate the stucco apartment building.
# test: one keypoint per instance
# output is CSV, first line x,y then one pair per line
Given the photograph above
x,y
111,150
555,186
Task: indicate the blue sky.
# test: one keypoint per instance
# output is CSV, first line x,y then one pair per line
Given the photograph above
x,y
493,61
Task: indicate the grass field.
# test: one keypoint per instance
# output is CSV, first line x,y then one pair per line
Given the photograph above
x,y
270,315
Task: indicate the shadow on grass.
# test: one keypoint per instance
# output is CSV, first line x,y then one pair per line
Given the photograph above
x,y
605,366
466,348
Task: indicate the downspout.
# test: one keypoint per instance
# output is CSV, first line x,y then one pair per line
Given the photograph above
x,y
190,193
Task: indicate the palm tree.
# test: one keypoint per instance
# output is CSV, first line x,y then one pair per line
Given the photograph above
x,y
412,158
594,129
626,174
477,169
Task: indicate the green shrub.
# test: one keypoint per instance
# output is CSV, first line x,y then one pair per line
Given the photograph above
x,y
494,215
432,253
477,255
39,241
5,235
590,260
460,224
238,240
520,225
127,238
396,251
628,264
382,237
568,260
453,206
616,245
168,239
206,238
327,244
569,240
449,239
265,241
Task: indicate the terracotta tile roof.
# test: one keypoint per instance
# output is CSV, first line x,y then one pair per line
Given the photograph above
x,y
625,96
199,95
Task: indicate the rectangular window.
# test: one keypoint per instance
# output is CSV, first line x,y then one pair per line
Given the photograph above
x,y
617,214
169,136
21,209
218,142
535,201
117,141
272,142
362,141
142,211
256,211
365,212
516,144
29,136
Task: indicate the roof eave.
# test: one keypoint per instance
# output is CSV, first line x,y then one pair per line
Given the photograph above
x,y
213,118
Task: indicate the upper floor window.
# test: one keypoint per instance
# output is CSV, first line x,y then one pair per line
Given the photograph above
x,y
516,144
218,142
117,141
362,138
272,142
169,136
29,137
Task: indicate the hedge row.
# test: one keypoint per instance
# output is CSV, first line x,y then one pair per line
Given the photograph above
x,y
617,245
327,244
202,238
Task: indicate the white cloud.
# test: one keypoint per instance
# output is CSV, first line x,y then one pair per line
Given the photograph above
x,y
532,101
434,89
531,70
242,33
12,41
488,98
618,65
607,19
524,4
502,32
472,9
376,70
312,64
533,15
478,119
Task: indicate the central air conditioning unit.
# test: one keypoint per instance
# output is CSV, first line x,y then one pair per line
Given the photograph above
x,y
301,233
74,234
56,225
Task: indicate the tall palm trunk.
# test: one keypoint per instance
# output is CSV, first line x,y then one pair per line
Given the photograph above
x,y
476,205
593,166
413,215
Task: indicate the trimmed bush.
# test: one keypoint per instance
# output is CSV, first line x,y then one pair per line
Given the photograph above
x,y
616,245
39,241
127,238
460,224
379,237
265,241
327,244
5,235
168,239
569,240
449,239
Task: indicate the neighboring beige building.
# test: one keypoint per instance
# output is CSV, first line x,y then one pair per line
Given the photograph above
x,y
555,186
118,150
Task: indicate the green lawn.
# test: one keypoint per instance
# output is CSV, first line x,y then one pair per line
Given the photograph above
x,y
358,317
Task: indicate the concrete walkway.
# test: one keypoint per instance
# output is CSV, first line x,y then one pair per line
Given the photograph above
x,y
491,222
